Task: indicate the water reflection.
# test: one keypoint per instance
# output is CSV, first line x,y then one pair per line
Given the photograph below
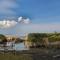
x,y
20,46
15,46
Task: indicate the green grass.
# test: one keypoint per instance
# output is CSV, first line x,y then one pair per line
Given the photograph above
x,y
33,54
10,56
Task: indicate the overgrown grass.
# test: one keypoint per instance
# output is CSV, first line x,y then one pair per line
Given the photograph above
x,y
10,56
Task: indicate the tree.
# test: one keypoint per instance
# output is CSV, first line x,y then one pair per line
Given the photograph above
x,y
37,38
2,37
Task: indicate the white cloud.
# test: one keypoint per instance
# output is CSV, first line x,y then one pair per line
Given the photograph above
x,y
7,23
24,20
11,23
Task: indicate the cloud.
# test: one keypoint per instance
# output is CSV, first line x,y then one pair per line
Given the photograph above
x,y
6,7
11,23
7,23
24,20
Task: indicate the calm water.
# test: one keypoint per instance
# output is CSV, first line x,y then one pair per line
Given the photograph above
x,y
20,46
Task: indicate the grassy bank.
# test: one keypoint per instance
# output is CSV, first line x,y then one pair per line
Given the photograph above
x,y
22,55
9,56
33,54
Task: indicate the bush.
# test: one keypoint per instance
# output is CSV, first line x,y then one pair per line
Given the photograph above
x,y
2,37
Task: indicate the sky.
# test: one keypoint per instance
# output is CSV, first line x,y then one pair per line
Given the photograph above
x,y
26,16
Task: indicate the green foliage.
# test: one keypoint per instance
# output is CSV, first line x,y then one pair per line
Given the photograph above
x,y
54,38
36,37
11,56
18,40
2,37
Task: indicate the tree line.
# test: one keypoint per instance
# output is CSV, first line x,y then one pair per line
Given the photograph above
x,y
42,39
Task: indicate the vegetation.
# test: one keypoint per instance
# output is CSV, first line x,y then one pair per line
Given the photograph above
x,y
15,57
2,38
43,38
18,40
37,38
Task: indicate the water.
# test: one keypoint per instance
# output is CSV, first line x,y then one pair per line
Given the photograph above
x,y
17,47
20,46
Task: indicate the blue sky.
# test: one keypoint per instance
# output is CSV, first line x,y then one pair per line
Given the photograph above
x,y
44,15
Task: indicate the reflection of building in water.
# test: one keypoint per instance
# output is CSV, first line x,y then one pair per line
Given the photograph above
x,y
10,42
10,45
